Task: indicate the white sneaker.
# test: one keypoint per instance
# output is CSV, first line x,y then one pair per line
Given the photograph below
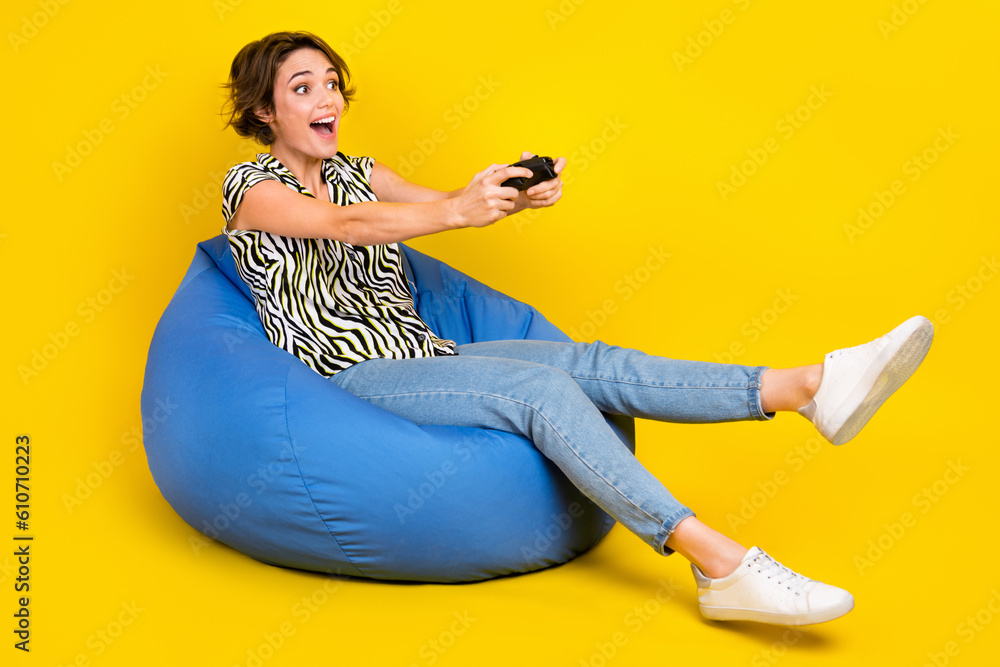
x,y
858,380
763,590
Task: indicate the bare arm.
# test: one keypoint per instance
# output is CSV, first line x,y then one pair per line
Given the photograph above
x,y
389,186
273,207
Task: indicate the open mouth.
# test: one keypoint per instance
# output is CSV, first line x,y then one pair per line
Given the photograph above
x,y
324,127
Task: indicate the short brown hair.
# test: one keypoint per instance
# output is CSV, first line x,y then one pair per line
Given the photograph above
x,y
252,74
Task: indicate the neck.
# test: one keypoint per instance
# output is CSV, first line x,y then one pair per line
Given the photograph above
x,y
307,169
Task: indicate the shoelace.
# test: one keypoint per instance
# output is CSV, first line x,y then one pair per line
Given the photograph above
x,y
781,575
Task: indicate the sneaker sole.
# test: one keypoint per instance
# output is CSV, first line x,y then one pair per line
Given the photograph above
x,y
897,371
756,615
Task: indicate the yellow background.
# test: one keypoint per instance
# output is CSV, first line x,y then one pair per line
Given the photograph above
x,y
774,271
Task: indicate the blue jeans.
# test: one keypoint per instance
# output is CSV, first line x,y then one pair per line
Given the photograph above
x,y
553,394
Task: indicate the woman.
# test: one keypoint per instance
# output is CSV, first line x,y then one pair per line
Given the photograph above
x,y
314,234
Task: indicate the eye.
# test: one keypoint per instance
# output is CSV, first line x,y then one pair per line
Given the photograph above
x,y
300,87
333,84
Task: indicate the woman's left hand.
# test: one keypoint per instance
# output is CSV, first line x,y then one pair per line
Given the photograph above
x,y
541,194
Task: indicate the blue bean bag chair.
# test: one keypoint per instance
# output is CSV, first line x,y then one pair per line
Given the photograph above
x,y
258,451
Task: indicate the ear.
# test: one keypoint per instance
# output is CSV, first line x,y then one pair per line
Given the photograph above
x,y
264,115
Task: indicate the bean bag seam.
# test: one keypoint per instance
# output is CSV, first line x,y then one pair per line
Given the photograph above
x,y
190,278
305,484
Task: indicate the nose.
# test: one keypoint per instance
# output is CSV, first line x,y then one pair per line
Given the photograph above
x,y
330,97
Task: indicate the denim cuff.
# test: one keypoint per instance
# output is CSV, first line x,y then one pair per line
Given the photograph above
x,y
753,396
665,532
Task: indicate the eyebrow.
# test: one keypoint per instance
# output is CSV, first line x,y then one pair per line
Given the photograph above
x,y
332,69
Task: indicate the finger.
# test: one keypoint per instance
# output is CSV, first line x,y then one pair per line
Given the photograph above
x,y
548,199
496,207
509,193
503,172
488,176
491,170
526,154
544,187
559,165
499,207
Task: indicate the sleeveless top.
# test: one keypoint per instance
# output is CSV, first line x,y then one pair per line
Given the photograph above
x,y
329,303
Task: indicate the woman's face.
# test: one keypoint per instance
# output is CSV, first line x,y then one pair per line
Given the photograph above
x,y
306,90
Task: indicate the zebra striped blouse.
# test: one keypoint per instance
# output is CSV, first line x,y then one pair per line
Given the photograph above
x,y
329,303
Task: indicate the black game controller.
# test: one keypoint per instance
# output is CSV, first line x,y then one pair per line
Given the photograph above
x,y
542,169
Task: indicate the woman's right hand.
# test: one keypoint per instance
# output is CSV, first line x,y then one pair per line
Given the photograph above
x,y
483,201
